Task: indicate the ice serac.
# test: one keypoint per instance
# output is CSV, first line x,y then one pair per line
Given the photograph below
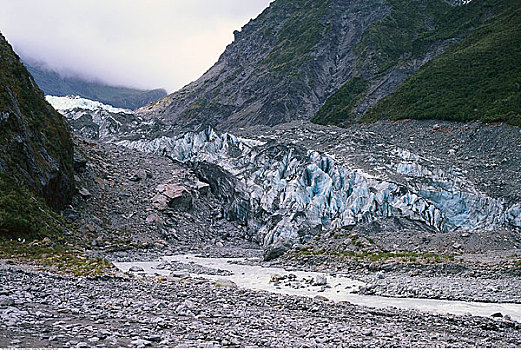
x,y
285,191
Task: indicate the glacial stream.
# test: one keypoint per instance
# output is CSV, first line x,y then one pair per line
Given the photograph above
x,y
339,288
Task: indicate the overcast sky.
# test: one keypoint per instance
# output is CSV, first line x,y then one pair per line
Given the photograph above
x,y
138,43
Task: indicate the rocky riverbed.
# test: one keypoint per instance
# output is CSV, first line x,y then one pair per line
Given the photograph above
x,y
43,309
444,280
506,290
135,206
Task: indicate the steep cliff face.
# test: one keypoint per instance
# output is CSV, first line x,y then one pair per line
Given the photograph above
x,y
284,64
35,144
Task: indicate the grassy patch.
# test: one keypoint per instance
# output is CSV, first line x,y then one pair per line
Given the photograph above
x,y
371,256
53,255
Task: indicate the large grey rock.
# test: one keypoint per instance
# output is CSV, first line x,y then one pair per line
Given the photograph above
x,y
320,280
173,196
6,301
276,249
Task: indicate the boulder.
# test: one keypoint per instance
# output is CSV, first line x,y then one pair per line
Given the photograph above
x,y
203,188
136,269
138,176
152,218
79,162
320,280
160,202
275,250
84,193
172,196
225,283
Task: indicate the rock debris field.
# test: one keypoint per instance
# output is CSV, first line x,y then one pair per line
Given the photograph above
x,y
131,203
40,309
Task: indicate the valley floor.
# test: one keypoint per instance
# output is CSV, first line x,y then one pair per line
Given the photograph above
x,y
118,216
42,309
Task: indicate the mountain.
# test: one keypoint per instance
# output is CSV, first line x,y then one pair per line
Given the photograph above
x,y
36,150
297,55
477,79
470,81
287,180
53,83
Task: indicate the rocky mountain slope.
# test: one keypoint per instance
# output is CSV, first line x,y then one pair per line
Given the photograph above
x,y
286,63
52,83
35,145
129,199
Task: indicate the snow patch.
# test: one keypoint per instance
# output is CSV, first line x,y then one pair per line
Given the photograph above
x,y
67,103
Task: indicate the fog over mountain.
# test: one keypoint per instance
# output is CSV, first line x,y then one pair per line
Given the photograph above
x,y
141,44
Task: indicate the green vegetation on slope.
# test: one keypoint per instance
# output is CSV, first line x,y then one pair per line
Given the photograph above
x,y
53,84
35,144
402,33
308,19
337,109
413,26
477,79
407,32
23,215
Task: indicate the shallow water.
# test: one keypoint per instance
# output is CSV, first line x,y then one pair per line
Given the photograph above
x,y
256,277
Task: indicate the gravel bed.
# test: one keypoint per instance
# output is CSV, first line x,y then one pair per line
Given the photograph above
x,y
39,309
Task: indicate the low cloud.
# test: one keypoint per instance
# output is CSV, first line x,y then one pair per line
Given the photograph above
x,y
138,43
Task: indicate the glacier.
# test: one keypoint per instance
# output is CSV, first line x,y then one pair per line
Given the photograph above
x,y
64,103
282,190
292,192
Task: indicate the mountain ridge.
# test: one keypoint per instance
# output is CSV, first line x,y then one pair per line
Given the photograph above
x,y
258,81
284,64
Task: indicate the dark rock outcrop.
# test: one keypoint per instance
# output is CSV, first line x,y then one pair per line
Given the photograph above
x,y
35,145
277,249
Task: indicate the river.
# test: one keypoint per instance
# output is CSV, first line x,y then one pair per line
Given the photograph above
x,y
339,288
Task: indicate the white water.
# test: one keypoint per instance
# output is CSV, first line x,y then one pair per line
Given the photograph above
x,y
258,278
